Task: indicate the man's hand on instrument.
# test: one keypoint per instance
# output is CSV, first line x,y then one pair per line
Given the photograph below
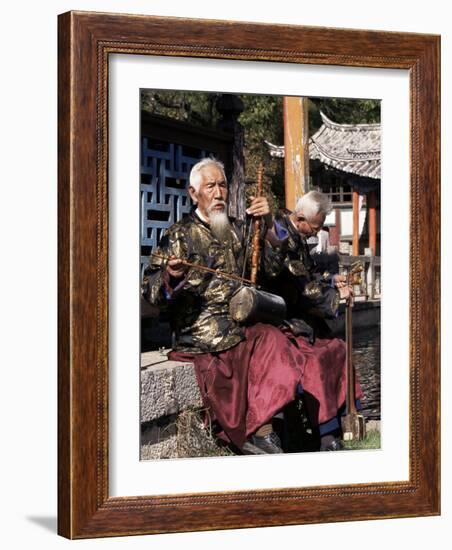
x,y
339,281
259,207
346,292
176,267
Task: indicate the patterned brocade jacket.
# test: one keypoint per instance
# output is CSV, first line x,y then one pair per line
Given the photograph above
x,y
198,304
308,293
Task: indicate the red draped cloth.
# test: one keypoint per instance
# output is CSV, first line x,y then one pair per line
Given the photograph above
x,y
246,385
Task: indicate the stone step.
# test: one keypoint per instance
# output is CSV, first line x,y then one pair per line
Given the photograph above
x,y
167,387
373,426
179,436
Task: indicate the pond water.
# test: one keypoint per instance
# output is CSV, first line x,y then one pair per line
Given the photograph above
x,y
366,358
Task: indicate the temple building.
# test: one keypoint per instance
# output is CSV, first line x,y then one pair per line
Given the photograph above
x,y
345,163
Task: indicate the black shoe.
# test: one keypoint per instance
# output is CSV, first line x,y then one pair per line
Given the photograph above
x,y
335,445
269,444
250,449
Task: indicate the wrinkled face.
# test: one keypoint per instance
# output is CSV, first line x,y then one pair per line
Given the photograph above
x,y
307,228
212,193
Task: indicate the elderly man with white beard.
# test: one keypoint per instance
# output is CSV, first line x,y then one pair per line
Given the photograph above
x,y
246,374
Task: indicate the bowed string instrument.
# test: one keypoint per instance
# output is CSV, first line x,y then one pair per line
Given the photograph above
x,y
353,423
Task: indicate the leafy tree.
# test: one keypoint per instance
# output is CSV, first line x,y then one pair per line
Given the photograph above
x,y
262,119
344,111
197,108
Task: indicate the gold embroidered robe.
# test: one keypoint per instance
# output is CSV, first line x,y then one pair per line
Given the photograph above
x,y
198,304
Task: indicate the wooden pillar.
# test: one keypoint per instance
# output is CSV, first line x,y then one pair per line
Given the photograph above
x,y
335,230
296,149
355,247
372,207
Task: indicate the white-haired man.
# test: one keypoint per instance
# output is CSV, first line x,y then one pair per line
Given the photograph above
x,y
311,295
245,374
233,364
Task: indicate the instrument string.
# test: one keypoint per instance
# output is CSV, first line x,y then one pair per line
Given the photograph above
x,y
247,241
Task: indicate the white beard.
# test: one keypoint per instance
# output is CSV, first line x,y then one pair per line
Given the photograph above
x,y
219,224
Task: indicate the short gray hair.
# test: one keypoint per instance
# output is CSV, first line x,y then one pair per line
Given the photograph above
x,y
195,174
314,203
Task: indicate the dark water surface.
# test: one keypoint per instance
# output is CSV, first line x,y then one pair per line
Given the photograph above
x,y
366,358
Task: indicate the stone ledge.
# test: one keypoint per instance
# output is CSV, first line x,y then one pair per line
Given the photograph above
x,y
373,426
179,436
167,387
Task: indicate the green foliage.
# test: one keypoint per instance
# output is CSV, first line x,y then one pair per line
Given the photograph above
x,y
262,119
371,441
197,108
343,111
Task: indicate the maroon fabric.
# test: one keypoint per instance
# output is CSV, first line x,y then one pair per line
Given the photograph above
x,y
245,386
324,379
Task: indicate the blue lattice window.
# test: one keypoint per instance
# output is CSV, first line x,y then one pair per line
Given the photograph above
x,y
165,169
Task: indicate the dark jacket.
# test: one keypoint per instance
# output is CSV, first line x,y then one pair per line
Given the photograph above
x,y
307,291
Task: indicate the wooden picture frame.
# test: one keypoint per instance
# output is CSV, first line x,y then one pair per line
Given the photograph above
x,y
86,40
